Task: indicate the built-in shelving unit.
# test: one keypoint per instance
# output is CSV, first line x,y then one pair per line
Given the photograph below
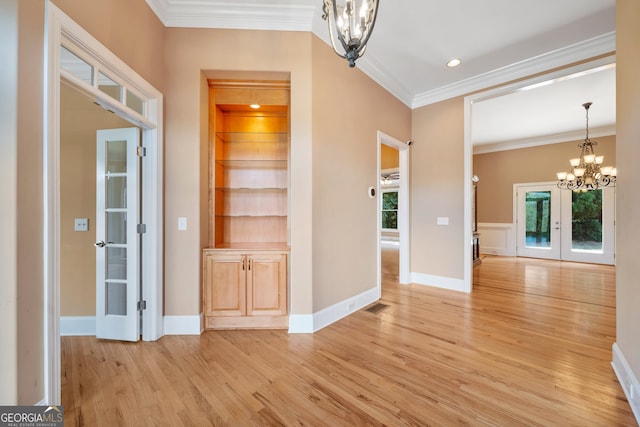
x,y
245,274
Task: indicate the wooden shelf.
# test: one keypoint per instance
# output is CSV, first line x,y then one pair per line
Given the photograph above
x,y
253,163
254,137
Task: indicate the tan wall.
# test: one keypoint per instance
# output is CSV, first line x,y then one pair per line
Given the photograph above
x,y
389,157
80,118
628,202
189,53
9,196
498,171
348,110
437,189
128,28
30,204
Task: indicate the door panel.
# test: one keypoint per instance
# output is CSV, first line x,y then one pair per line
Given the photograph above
x,y
538,222
117,241
588,220
226,278
266,285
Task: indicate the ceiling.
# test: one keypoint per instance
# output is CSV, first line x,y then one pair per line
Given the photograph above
x,y
498,41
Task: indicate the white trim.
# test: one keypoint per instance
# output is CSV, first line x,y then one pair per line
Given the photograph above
x,y
460,285
581,51
77,326
497,238
628,380
183,325
61,28
43,402
234,15
310,323
301,324
542,140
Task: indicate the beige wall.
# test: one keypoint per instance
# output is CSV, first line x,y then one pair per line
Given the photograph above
x,y
498,171
8,208
437,189
79,120
189,53
30,204
628,202
128,28
348,110
389,157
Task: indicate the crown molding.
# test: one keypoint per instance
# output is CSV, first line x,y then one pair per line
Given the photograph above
x,y
246,15
581,51
233,15
543,140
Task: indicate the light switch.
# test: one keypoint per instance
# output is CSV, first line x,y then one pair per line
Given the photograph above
x,y
443,220
81,224
182,223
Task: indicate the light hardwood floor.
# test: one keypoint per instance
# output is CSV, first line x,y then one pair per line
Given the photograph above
x,y
531,346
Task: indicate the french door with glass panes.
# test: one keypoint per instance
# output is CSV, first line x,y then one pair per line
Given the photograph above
x,y
565,225
117,238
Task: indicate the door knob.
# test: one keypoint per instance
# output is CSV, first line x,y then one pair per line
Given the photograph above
x,y
100,244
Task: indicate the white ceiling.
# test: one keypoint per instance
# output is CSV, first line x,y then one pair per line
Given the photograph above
x,y
497,40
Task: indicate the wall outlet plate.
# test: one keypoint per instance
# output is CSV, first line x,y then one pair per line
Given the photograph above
x,y
81,224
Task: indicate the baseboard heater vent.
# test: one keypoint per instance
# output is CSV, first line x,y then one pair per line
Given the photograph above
x,y
376,308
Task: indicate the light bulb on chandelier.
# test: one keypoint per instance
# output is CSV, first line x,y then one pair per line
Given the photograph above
x,y
586,173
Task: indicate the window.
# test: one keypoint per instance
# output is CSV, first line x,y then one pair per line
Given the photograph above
x,y
390,209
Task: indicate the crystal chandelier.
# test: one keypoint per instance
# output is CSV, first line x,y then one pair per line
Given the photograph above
x,y
586,172
351,24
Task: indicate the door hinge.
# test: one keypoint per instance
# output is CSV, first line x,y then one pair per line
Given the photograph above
x,y
142,305
142,228
142,151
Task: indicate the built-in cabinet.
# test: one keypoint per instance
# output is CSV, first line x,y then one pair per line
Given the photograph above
x,y
245,289
245,272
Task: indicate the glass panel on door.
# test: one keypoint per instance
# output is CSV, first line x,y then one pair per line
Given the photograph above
x,y
538,219
586,221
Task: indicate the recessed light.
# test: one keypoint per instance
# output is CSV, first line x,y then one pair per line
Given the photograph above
x,y
255,106
454,62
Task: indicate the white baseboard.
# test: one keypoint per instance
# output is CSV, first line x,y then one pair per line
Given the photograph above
x,y
497,238
301,323
310,323
627,379
77,326
440,282
183,325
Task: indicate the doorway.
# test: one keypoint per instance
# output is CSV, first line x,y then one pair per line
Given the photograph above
x,y
565,225
396,212
87,65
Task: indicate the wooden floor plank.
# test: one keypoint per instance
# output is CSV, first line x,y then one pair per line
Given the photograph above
x,y
530,346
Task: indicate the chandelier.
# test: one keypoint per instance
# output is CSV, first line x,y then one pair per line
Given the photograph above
x,y
351,25
586,172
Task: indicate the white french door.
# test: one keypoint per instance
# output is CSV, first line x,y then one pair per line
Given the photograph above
x,y
117,238
565,225
538,221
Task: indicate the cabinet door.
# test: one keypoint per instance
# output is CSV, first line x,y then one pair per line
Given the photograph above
x,y
225,285
267,285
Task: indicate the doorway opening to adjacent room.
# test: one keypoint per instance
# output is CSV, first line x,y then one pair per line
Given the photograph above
x,y
393,207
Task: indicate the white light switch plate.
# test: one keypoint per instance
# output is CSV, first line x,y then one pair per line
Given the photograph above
x,y
443,220
81,224
182,223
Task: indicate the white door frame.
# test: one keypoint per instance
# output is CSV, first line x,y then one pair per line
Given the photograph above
x,y
63,30
403,208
